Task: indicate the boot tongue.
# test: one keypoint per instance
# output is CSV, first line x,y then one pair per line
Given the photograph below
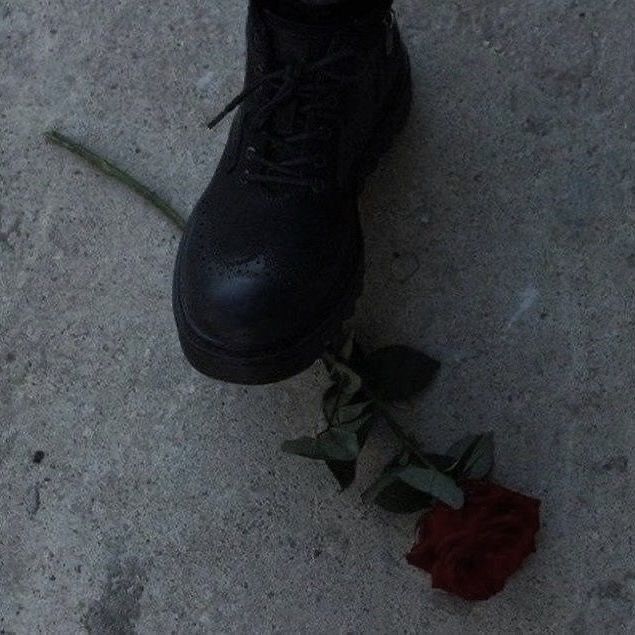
x,y
296,42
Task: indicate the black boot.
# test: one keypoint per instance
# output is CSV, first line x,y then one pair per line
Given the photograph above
x,y
271,262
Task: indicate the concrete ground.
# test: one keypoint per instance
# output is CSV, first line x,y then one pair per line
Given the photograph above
x,y
500,239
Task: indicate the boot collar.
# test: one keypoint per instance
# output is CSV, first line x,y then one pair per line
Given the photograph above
x,y
331,16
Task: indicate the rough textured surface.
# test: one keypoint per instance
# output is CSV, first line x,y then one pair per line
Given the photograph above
x,y
500,238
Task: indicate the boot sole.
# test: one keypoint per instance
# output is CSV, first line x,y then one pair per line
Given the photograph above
x,y
274,366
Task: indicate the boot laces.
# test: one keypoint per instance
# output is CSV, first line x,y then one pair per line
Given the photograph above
x,y
294,156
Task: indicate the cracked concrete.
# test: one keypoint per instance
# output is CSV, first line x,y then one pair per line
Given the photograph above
x,y
500,239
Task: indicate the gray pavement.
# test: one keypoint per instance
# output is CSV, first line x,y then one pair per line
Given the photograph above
x,y
500,237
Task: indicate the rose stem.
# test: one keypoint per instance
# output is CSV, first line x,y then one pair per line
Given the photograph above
x,y
408,441
109,169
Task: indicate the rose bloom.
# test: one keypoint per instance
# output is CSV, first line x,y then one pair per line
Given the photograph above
x,y
471,552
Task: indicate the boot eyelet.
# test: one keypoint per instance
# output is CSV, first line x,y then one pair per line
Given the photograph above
x,y
244,177
250,153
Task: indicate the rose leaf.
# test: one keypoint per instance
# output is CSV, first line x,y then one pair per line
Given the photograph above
x,y
332,445
397,373
429,482
473,457
343,471
399,498
434,483
348,381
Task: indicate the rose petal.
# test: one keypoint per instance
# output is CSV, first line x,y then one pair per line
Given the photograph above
x,y
472,552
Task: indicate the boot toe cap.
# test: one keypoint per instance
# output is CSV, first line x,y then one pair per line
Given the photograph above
x,y
266,277
251,309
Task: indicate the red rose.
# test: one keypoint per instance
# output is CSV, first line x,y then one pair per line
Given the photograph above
x,y
471,552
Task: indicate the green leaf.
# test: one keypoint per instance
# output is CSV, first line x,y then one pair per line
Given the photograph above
x,y
343,471
397,373
339,447
434,483
399,498
352,412
473,457
427,481
356,425
307,447
331,403
388,478
442,462
347,379
346,417
338,410
344,439
332,445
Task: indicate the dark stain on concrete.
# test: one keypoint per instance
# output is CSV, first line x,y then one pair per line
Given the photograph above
x,y
38,456
32,500
118,608
613,599
617,464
